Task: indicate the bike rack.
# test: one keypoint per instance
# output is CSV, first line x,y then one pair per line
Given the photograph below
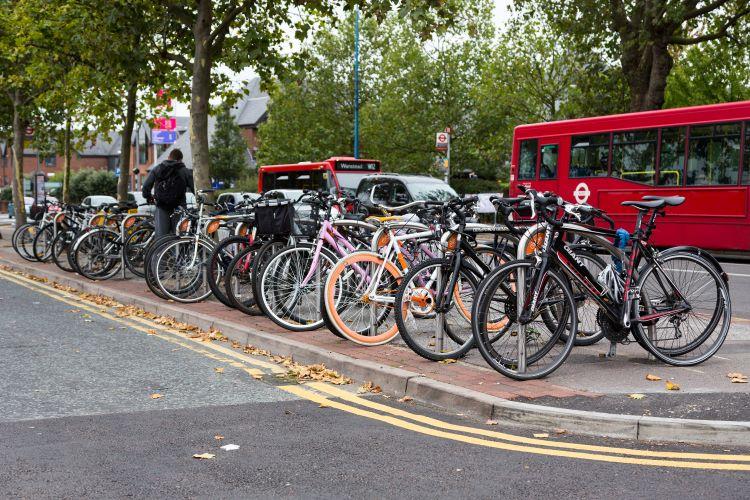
x,y
122,241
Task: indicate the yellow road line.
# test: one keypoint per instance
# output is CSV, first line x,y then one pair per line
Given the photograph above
x,y
396,422
347,396
172,337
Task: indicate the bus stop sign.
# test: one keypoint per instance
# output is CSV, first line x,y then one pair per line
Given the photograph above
x,y
582,192
442,141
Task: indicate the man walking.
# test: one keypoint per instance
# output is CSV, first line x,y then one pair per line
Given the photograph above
x,y
170,180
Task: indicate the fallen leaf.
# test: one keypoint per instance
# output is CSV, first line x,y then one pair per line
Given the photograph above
x,y
204,456
230,447
736,375
219,370
636,396
491,422
671,386
369,387
151,332
447,361
652,378
157,396
559,430
324,405
218,437
405,399
738,380
541,435
257,377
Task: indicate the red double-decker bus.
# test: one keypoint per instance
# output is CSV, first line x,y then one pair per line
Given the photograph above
x,y
700,152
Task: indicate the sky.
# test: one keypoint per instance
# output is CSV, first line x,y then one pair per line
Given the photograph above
x,y
500,16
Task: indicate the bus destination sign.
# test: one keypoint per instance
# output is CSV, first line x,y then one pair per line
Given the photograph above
x,y
347,166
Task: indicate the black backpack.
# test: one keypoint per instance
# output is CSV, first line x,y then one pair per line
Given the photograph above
x,y
170,187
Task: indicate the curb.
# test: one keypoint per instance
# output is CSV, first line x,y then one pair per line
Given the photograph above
x,y
398,382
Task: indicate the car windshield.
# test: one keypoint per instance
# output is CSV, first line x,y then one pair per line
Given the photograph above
x,y
431,191
348,182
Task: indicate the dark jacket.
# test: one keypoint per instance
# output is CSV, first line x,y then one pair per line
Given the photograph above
x,y
155,172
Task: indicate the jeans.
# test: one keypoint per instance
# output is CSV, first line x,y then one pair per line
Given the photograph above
x,y
163,223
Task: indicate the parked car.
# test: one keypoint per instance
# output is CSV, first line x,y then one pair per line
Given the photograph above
x,y
137,198
97,201
397,189
235,198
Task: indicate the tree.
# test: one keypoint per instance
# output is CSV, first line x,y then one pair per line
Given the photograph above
x,y
228,149
642,34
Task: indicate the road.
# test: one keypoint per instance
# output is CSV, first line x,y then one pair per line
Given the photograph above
x,y
95,404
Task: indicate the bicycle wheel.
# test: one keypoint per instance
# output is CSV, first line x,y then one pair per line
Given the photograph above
x,y
218,263
359,298
291,284
496,303
97,254
61,246
265,253
149,266
181,269
134,250
41,247
25,241
432,335
678,280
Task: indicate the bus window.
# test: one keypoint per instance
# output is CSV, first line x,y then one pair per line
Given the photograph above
x,y
527,160
746,156
634,156
589,156
714,154
548,161
672,161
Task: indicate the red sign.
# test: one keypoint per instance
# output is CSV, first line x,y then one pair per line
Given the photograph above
x,y
29,130
165,123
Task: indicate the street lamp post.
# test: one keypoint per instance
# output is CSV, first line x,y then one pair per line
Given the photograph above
x,y
356,82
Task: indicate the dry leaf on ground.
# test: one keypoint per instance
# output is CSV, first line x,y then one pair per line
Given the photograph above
x,y
491,422
738,380
219,370
157,396
736,375
560,430
369,387
151,332
204,456
218,437
636,396
324,405
405,399
671,386
446,361
541,435
653,378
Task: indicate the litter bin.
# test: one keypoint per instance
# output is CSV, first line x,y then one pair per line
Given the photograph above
x,y
11,210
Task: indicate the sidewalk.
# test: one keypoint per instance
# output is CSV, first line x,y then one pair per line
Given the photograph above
x,y
572,398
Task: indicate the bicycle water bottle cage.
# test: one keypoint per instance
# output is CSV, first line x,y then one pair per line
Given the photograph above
x,y
622,236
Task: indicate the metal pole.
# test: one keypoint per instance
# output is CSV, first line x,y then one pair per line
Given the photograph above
x,y
137,159
448,159
356,82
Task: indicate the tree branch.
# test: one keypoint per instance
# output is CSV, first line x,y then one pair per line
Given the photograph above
x,y
180,12
692,14
619,16
711,36
229,16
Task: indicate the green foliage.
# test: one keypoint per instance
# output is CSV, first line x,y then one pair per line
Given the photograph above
x,y
247,183
714,72
467,186
228,149
6,194
90,182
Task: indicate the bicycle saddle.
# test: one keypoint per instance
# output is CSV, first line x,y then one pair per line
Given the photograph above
x,y
651,202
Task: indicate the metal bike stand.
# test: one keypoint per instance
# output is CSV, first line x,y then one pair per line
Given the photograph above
x,y
439,317
520,292
122,243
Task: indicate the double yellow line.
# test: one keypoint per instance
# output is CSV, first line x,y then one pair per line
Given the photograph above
x,y
333,397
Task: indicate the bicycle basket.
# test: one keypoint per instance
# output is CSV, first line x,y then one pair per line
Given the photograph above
x,y
274,218
306,220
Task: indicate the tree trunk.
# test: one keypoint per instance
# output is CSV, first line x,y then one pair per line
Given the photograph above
x,y
646,69
201,92
66,160
19,131
123,183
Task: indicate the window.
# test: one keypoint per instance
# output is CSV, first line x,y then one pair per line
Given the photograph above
x,y
672,156
527,160
400,194
548,163
714,154
432,191
589,155
746,156
634,156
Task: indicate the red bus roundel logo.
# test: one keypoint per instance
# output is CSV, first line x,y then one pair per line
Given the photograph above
x,y
581,193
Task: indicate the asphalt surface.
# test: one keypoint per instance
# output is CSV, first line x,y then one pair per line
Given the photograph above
x,y
77,419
